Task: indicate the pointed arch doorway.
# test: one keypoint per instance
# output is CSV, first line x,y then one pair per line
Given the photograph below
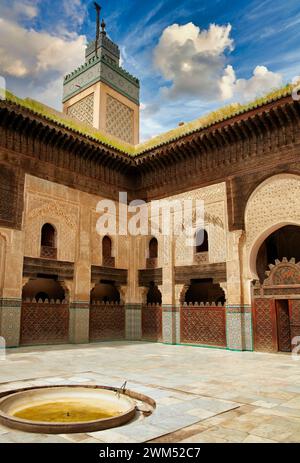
x,y
276,294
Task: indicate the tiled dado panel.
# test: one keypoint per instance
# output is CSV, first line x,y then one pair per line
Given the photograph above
x,y
133,322
239,327
10,321
79,322
171,324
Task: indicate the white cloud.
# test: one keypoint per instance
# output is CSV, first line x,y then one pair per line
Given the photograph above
x,y
34,62
262,81
75,11
194,61
227,83
44,52
16,10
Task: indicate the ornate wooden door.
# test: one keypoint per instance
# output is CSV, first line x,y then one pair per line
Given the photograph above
x,y
283,325
264,325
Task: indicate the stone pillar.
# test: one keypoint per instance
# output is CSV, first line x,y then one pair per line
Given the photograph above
x,y
80,296
11,292
10,316
133,321
179,292
79,322
238,313
135,295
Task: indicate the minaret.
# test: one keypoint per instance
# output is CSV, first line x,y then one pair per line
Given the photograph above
x,y
102,94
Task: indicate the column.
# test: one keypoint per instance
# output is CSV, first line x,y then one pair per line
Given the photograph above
x,y
238,311
11,292
80,296
135,295
170,311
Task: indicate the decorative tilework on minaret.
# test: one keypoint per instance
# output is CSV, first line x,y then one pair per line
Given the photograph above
x,y
102,94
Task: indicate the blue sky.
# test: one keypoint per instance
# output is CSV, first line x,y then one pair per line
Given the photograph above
x,y
185,70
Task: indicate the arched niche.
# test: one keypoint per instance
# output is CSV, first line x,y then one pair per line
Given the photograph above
x,y
105,291
43,288
153,295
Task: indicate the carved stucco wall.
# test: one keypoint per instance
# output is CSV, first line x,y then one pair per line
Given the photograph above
x,y
120,243
215,223
274,203
46,202
119,119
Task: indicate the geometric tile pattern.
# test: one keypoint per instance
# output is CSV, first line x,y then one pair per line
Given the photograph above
x,y
239,327
247,330
234,330
79,322
10,319
167,323
133,321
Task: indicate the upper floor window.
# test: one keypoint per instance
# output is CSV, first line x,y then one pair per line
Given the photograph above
x,y
106,246
153,248
48,241
107,259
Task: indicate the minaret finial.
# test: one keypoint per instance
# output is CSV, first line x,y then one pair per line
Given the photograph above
x,y
98,9
103,26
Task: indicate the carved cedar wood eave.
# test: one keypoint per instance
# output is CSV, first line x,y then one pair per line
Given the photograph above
x,y
32,267
147,276
242,151
184,274
117,275
30,144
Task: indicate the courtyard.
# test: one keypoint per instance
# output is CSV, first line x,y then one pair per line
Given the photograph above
x,y
202,394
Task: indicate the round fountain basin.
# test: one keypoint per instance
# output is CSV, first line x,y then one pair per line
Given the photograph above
x,y
66,409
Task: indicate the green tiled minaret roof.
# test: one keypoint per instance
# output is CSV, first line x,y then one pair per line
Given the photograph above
x,y
102,65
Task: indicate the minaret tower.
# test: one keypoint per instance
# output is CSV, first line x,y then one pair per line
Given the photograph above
x,y
101,93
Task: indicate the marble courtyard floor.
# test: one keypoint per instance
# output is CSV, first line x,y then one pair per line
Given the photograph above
x,y
202,395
